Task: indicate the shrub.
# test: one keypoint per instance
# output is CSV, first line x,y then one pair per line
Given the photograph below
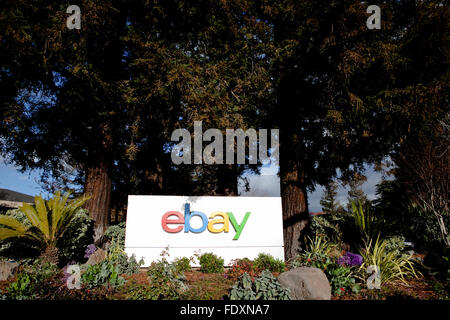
x,y
328,226
102,274
392,265
210,263
182,264
28,283
308,259
341,279
79,234
267,261
116,233
124,264
239,267
266,287
166,281
319,245
395,244
22,288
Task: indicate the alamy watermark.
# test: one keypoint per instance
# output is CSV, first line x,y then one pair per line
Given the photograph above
x,y
74,20
374,280
374,21
186,152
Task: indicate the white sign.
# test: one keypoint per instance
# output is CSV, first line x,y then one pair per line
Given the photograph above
x,y
230,227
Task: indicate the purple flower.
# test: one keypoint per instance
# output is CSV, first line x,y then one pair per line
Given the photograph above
x,y
90,250
344,260
355,259
350,259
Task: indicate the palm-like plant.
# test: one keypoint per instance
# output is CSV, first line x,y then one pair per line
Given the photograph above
x,y
319,245
366,221
392,266
49,221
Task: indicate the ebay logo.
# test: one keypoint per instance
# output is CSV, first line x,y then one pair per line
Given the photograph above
x,y
216,218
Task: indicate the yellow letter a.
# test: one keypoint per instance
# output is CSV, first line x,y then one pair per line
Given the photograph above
x,y
225,221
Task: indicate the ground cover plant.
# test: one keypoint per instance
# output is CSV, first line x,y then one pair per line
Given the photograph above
x,y
264,287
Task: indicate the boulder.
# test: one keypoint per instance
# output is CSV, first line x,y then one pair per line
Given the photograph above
x,y
98,256
7,269
306,284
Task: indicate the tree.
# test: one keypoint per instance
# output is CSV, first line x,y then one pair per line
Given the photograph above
x,y
328,201
49,221
356,193
105,99
323,82
346,95
71,111
425,169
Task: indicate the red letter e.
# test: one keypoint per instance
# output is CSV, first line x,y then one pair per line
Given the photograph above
x,y
165,221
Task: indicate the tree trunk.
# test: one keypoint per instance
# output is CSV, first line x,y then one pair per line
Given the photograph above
x,y
50,255
227,180
98,186
295,208
153,179
443,229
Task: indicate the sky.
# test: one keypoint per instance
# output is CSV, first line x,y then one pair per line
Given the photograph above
x,y
267,184
12,179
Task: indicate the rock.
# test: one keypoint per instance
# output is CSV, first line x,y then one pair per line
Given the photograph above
x,y
7,269
306,283
98,256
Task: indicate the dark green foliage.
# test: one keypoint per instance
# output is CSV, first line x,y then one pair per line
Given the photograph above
x,y
438,258
104,273
355,192
406,219
341,279
369,223
71,246
124,264
116,233
15,248
316,260
395,244
22,288
328,201
266,261
166,281
328,226
210,263
182,264
29,281
265,287
79,235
